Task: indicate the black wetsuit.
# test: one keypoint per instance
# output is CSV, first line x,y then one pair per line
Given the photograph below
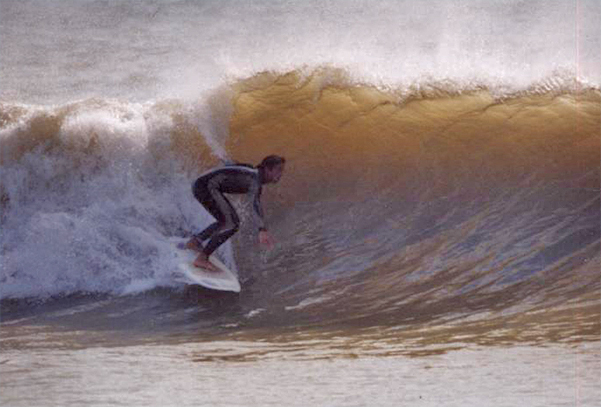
x,y
209,190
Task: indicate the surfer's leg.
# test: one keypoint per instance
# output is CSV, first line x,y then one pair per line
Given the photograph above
x,y
217,206
202,260
207,233
228,223
195,243
205,198
219,232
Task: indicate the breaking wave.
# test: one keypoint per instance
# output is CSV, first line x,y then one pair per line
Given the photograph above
x,y
427,201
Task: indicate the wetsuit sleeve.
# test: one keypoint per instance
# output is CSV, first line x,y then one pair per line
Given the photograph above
x,y
257,207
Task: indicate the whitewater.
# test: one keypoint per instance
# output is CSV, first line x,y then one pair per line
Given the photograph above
x,y
438,226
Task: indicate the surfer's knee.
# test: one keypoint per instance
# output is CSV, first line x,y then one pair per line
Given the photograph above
x,y
231,226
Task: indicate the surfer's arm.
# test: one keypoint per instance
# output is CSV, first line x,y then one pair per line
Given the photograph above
x,y
258,208
265,238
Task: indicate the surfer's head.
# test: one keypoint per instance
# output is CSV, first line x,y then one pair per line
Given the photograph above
x,y
272,168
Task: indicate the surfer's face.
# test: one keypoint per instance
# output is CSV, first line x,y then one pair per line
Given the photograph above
x,y
274,174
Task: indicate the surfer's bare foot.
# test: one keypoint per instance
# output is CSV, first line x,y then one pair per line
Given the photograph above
x,y
194,244
203,262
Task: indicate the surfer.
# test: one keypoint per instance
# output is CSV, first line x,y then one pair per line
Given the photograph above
x,y
209,190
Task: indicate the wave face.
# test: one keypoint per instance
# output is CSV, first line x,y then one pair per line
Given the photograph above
x,y
433,205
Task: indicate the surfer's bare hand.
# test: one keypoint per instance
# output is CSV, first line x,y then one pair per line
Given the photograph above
x,y
266,240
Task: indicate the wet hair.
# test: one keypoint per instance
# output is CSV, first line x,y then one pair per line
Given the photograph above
x,y
271,161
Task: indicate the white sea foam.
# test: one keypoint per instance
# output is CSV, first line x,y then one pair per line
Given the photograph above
x,y
140,50
92,208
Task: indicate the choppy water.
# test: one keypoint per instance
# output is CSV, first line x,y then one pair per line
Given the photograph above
x,y
441,195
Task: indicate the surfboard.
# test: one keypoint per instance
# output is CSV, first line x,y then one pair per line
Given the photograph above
x,y
224,280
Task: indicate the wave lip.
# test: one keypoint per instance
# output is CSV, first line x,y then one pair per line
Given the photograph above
x,y
390,42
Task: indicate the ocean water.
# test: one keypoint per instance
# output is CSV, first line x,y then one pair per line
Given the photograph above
x,y
438,226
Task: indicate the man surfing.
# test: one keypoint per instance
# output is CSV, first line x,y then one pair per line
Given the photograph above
x,y
209,190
